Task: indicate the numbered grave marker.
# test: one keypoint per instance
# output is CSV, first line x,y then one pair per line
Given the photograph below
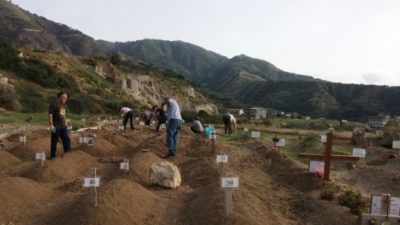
x,y
222,159
396,144
141,123
359,152
40,156
92,182
246,129
394,206
256,134
281,143
22,139
121,128
380,204
124,166
86,140
323,138
229,184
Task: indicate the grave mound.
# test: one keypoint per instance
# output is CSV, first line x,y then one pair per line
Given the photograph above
x,y
119,202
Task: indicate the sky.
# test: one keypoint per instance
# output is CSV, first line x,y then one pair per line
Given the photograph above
x,y
348,41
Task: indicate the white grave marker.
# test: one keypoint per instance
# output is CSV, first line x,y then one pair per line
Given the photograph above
x,y
308,118
91,182
394,206
376,205
121,128
246,129
124,166
222,159
396,144
359,152
323,138
281,143
256,134
22,139
316,166
40,156
229,182
141,123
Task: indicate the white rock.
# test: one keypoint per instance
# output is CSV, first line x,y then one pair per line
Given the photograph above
x,y
165,174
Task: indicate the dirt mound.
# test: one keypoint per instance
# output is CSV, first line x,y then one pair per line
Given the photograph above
x,y
119,202
19,195
27,151
7,160
140,166
73,165
101,148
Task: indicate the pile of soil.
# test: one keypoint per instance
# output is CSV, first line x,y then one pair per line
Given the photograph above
x,y
7,160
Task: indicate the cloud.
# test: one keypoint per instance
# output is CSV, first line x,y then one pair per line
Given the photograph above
x,y
381,78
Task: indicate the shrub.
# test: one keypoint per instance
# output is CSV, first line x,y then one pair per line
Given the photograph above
x,y
329,191
352,198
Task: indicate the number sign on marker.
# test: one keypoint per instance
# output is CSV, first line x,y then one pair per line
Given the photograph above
x,y
91,182
230,182
255,134
359,152
222,159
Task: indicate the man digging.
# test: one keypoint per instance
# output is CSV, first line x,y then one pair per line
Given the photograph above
x,y
127,114
58,124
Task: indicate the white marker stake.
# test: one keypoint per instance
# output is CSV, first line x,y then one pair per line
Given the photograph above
x,y
41,156
92,182
141,123
396,145
228,184
124,166
323,138
359,152
281,143
22,139
121,128
256,134
213,138
222,159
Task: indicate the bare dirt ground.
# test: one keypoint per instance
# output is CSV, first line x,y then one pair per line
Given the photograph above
x,y
273,188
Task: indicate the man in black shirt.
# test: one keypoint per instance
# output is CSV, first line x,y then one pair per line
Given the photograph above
x,y
58,124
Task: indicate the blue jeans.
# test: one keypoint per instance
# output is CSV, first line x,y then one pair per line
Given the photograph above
x,y
173,128
63,134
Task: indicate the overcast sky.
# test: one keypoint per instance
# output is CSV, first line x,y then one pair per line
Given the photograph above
x,y
349,41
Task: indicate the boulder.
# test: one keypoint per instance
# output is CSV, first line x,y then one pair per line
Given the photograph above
x,y
358,137
165,174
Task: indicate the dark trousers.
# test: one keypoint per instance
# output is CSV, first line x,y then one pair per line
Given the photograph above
x,y
173,127
64,135
159,123
128,116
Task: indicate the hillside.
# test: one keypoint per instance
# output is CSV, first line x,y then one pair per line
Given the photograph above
x,y
31,79
239,81
33,31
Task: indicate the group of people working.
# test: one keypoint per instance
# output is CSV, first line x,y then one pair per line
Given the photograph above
x,y
168,113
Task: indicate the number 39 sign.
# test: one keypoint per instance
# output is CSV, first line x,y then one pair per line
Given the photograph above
x,y
230,182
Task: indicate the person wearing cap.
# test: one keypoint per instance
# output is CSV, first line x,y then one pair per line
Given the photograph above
x,y
230,123
127,114
174,123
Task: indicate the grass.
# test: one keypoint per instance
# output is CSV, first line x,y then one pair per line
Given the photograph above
x,y
41,118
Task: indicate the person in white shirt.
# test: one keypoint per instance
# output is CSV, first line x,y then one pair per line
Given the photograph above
x,y
174,123
230,123
127,114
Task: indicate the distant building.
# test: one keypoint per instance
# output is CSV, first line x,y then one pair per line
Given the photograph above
x,y
236,112
378,122
257,113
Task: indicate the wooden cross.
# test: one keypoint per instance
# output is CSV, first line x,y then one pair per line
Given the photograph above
x,y
328,157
